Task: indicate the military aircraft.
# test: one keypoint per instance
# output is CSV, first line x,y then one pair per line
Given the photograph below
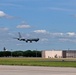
x,y
26,40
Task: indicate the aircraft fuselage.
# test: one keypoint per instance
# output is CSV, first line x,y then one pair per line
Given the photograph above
x,y
27,40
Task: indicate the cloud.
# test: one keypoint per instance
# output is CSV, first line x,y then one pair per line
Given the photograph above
x,y
66,37
67,40
23,26
59,9
71,33
4,15
41,31
63,35
60,36
19,44
4,29
73,15
44,39
24,0
56,34
45,33
10,4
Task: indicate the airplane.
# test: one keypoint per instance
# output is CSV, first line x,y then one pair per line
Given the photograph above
x,y
26,40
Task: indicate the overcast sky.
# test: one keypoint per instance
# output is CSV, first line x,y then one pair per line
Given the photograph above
x,y
53,21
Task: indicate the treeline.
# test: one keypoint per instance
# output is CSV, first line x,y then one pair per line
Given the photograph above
x,y
27,53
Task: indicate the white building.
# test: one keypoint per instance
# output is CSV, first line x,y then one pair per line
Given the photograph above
x,y
59,54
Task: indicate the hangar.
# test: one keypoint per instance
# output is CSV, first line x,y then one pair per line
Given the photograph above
x,y
59,54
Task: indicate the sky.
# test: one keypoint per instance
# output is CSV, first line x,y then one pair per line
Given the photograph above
x,y
52,21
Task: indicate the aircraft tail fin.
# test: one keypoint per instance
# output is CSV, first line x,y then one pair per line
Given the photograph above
x,y
19,35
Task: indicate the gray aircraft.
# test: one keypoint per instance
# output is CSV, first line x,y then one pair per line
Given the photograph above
x,y
26,40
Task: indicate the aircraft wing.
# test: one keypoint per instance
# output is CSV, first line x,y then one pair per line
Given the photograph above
x,y
30,40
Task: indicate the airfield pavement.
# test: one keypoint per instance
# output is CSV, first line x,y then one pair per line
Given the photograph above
x,y
35,70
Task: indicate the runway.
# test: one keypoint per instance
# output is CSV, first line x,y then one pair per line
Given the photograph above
x,y
34,70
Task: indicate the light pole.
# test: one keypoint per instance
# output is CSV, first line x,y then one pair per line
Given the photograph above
x,y
11,52
36,52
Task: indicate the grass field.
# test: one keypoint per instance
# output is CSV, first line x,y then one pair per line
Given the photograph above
x,y
38,62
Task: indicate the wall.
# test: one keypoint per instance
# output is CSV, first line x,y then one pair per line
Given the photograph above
x,y
70,54
52,54
59,54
